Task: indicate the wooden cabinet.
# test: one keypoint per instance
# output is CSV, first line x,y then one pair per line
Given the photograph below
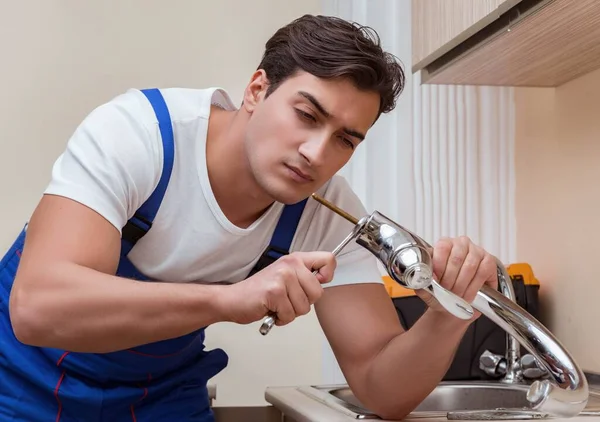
x,y
505,42
439,23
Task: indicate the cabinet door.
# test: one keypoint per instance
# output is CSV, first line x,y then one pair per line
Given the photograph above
x,y
436,22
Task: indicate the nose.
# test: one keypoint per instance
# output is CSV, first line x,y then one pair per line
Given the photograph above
x,y
314,150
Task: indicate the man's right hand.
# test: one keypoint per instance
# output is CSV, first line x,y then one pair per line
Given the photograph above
x,y
287,288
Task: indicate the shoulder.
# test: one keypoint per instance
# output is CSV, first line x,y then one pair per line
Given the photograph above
x,y
182,103
114,159
191,103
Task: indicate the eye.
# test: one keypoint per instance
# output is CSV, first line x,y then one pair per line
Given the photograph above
x,y
305,116
347,143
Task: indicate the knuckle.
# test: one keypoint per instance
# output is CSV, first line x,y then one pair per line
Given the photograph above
x,y
444,244
290,259
481,253
276,290
457,259
471,263
464,240
489,264
285,272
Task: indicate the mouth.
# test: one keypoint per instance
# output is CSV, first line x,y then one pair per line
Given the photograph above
x,y
298,175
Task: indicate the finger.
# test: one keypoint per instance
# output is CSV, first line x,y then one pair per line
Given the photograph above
x,y
458,253
439,257
285,312
310,284
323,262
486,274
277,295
468,270
425,296
296,294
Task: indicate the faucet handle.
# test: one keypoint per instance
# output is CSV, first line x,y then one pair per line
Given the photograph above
x,y
532,369
454,304
492,364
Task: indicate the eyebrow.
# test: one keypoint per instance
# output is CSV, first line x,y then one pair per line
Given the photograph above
x,y
328,115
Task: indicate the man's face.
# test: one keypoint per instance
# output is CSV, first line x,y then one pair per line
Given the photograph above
x,y
303,132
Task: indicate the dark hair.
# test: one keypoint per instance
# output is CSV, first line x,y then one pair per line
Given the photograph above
x,y
330,47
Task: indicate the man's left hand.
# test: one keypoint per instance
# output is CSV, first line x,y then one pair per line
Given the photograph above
x,y
461,267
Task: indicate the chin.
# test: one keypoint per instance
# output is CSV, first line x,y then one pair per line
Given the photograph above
x,y
288,196
285,193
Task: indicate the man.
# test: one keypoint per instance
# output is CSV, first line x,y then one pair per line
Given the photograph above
x,y
154,226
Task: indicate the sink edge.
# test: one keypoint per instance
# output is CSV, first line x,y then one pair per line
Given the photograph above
x,y
322,394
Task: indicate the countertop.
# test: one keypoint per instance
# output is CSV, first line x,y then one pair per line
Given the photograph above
x,y
303,408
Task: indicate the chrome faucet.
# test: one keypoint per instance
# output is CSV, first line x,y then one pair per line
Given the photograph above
x,y
513,366
510,365
564,393
407,259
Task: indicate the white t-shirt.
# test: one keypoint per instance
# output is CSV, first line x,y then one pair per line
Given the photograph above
x,y
113,163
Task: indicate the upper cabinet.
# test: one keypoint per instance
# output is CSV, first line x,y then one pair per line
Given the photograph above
x,y
505,42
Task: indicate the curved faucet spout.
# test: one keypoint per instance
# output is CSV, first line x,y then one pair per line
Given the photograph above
x,y
565,394
407,259
568,395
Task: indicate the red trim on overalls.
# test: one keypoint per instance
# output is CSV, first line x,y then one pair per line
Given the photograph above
x,y
57,388
60,380
133,418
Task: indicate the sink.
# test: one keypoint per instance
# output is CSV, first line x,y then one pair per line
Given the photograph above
x,y
447,398
454,397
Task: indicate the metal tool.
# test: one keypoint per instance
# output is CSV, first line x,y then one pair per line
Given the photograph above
x,y
406,253
414,275
269,321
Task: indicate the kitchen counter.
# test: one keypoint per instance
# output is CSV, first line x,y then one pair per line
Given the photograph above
x,y
299,407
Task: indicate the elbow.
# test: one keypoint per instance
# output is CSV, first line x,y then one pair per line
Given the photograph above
x,y
392,407
391,411
393,414
26,319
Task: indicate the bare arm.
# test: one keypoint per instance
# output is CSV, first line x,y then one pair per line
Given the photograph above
x,y
65,295
389,370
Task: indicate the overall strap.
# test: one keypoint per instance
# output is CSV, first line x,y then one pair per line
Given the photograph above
x,y
142,221
282,237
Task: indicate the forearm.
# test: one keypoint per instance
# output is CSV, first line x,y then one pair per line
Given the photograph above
x,y
83,310
413,363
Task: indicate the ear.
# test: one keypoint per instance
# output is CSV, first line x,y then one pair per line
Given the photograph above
x,y
256,90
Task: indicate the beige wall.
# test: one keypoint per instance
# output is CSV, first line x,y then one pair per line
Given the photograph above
x,y
62,58
558,203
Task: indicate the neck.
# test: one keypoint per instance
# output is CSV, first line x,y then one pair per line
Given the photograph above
x,y
238,194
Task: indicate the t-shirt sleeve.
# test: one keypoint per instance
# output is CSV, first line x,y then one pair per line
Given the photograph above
x,y
355,264
113,160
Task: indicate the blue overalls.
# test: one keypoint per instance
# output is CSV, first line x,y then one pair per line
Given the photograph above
x,y
162,381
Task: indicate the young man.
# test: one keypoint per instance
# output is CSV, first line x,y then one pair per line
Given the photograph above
x,y
152,228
